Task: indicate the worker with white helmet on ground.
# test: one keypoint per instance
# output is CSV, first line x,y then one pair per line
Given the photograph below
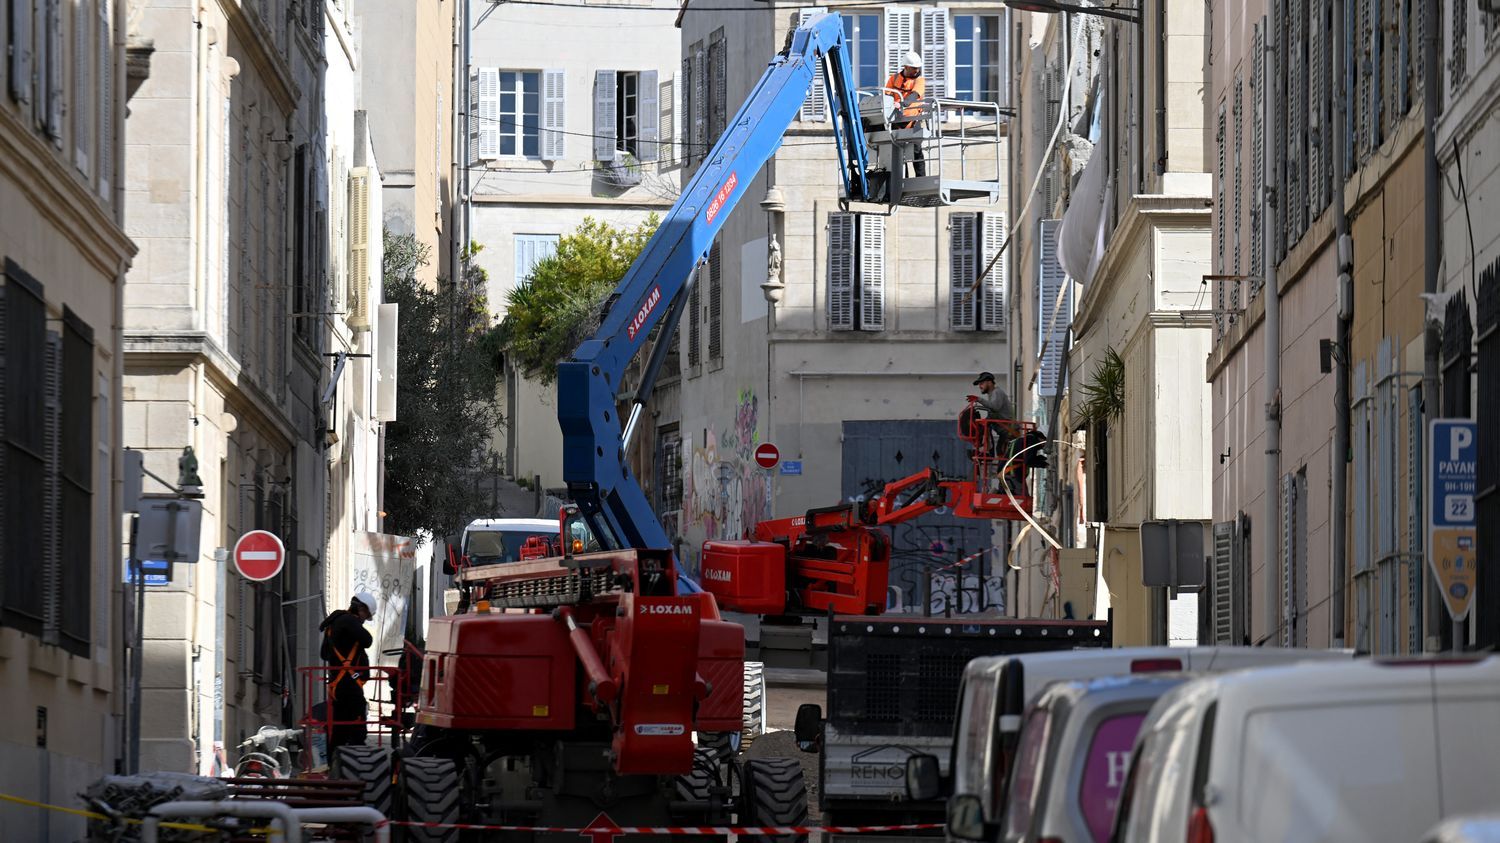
x,y
907,87
344,649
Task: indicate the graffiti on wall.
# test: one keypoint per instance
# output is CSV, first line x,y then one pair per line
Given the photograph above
x,y
726,494
923,561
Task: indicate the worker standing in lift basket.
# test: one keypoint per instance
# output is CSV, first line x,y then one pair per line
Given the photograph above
x,y
345,643
997,406
907,87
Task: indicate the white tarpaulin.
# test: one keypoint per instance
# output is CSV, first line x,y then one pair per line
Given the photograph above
x,y
1081,240
384,565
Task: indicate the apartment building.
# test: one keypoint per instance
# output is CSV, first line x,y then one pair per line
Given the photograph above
x,y
1286,571
253,189
555,136
65,257
1466,130
848,338
1113,247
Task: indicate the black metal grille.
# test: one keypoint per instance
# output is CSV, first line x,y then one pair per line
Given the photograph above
x,y
937,690
883,687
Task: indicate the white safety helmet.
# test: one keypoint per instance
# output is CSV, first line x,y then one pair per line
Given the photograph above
x,y
367,600
912,59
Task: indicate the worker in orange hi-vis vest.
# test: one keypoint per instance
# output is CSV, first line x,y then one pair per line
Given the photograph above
x,y
907,87
345,640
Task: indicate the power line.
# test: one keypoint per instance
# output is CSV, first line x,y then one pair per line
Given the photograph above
x,y
766,7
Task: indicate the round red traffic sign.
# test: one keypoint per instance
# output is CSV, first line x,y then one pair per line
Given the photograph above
x,y
766,456
259,555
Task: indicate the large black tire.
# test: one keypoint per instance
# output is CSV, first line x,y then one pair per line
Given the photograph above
x,y
774,795
371,765
723,745
431,790
704,785
755,704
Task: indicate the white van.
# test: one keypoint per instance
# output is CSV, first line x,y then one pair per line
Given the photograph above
x,y
996,690
488,541
1359,752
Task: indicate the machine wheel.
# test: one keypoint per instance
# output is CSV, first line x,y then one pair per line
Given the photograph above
x,y
431,786
755,704
698,785
370,765
774,794
723,745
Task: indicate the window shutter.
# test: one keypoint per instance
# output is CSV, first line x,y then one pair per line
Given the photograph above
x,y
899,26
1317,85
604,115
1220,183
841,272
685,93
715,305
52,489
20,51
1296,104
700,103
107,95
816,105
871,255
1257,156
1052,283
41,40
718,91
648,116
476,122
359,249
695,319
1223,583
55,72
666,129
963,255
83,63
935,51
487,126
554,142
992,313
1237,201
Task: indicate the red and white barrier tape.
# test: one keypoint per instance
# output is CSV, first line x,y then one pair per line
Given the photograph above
x,y
966,560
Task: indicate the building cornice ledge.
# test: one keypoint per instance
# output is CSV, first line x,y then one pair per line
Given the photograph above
x,y
240,395
254,37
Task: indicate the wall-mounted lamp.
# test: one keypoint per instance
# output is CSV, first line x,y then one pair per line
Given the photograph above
x,y
1225,456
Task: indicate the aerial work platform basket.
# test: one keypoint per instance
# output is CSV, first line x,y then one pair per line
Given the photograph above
x,y
936,151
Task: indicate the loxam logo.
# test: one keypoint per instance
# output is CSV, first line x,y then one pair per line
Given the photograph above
x,y
717,575
646,308
667,609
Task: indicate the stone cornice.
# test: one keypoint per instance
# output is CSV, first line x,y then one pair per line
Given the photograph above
x,y
57,195
188,348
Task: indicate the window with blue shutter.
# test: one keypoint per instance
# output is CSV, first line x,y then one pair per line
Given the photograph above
x,y
531,249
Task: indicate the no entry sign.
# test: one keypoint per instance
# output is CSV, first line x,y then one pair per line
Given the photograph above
x,y
259,555
766,456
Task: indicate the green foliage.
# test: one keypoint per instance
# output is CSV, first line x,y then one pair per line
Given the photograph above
x,y
560,304
1104,394
446,395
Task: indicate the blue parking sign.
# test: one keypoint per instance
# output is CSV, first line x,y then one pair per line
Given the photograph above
x,y
1455,477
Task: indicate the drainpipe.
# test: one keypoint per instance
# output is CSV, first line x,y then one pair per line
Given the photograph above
x,y
1432,234
1340,492
1273,350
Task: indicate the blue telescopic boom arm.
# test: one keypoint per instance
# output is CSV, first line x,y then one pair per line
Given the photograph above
x,y
594,463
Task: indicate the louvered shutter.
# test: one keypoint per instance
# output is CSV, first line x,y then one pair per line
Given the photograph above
x,y
718,87
899,36
648,117
666,129
816,106
685,113
107,95
21,19
1220,182
41,41
841,272
871,256
359,248
1257,157
700,103
484,133
1297,103
1223,583
52,515
715,304
695,320
1053,287
476,122
1361,118
1288,558
1237,200
83,63
935,51
963,259
995,285
55,90
554,113
604,115
1317,119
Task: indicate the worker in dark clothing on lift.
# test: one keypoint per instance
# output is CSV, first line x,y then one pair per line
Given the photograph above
x,y
996,406
345,642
